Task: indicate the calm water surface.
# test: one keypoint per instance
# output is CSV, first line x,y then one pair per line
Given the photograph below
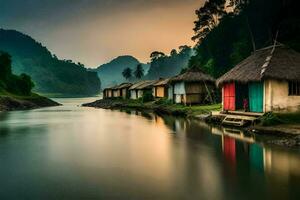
x,y
70,152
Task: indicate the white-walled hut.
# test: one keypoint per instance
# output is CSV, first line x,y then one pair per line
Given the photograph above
x,y
108,93
123,90
160,88
116,92
192,87
137,90
269,80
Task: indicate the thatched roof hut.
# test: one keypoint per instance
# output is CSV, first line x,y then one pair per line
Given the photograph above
x,y
280,63
160,89
162,82
192,87
124,85
137,90
142,85
269,80
193,74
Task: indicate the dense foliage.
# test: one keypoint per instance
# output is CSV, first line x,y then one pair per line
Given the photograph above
x,y
19,85
50,74
226,38
139,71
147,97
127,73
164,66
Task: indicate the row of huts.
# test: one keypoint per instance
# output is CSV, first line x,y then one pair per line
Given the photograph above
x,y
268,80
191,87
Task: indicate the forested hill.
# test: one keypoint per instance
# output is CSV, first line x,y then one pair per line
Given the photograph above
x,y
224,39
49,74
165,66
111,73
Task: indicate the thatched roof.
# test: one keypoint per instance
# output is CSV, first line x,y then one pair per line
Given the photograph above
x,y
146,85
123,85
162,82
193,74
142,85
109,88
281,63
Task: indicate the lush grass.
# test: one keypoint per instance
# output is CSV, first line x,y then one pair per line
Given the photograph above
x,y
271,119
290,118
167,106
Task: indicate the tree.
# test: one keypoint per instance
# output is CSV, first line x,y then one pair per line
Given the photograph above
x,y
25,84
5,65
139,71
173,52
209,17
127,73
156,54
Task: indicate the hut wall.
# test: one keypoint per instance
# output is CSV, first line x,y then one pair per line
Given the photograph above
x,y
159,91
277,97
140,93
180,98
116,93
179,88
109,93
170,92
124,93
194,98
195,88
132,94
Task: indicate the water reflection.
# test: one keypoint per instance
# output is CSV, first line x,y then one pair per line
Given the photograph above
x,y
278,166
85,153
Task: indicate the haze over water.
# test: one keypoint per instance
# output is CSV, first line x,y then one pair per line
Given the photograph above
x,y
70,152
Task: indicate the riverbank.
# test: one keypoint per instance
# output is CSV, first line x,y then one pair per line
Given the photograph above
x,y
9,102
160,107
286,125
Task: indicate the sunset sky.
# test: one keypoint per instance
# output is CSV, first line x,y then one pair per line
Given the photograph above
x,y
95,31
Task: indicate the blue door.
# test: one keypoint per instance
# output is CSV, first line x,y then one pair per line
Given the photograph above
x,y
256,97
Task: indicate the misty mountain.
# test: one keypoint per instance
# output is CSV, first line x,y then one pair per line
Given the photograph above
x,y
111,73
49,74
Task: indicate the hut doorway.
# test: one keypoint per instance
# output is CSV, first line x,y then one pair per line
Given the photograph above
x,y
242,94
256,97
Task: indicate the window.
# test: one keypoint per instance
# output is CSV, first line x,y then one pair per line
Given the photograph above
x,y
294,88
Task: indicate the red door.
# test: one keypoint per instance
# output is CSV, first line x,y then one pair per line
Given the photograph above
x,y
229,96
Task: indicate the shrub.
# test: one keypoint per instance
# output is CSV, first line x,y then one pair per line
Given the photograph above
x,y
147,97
164,101
270,119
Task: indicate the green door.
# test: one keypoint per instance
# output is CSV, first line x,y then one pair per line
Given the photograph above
x,y
256,97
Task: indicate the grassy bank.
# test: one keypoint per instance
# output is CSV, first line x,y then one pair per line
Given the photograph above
x,y
10,102
160,106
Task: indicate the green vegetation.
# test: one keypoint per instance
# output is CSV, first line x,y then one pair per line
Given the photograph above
x,y
49,74
226,38
10,83
164,66
15,91
147,97
272,119
162,106
139,71
127,73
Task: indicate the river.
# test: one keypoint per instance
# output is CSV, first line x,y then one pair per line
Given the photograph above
x,y
71,152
